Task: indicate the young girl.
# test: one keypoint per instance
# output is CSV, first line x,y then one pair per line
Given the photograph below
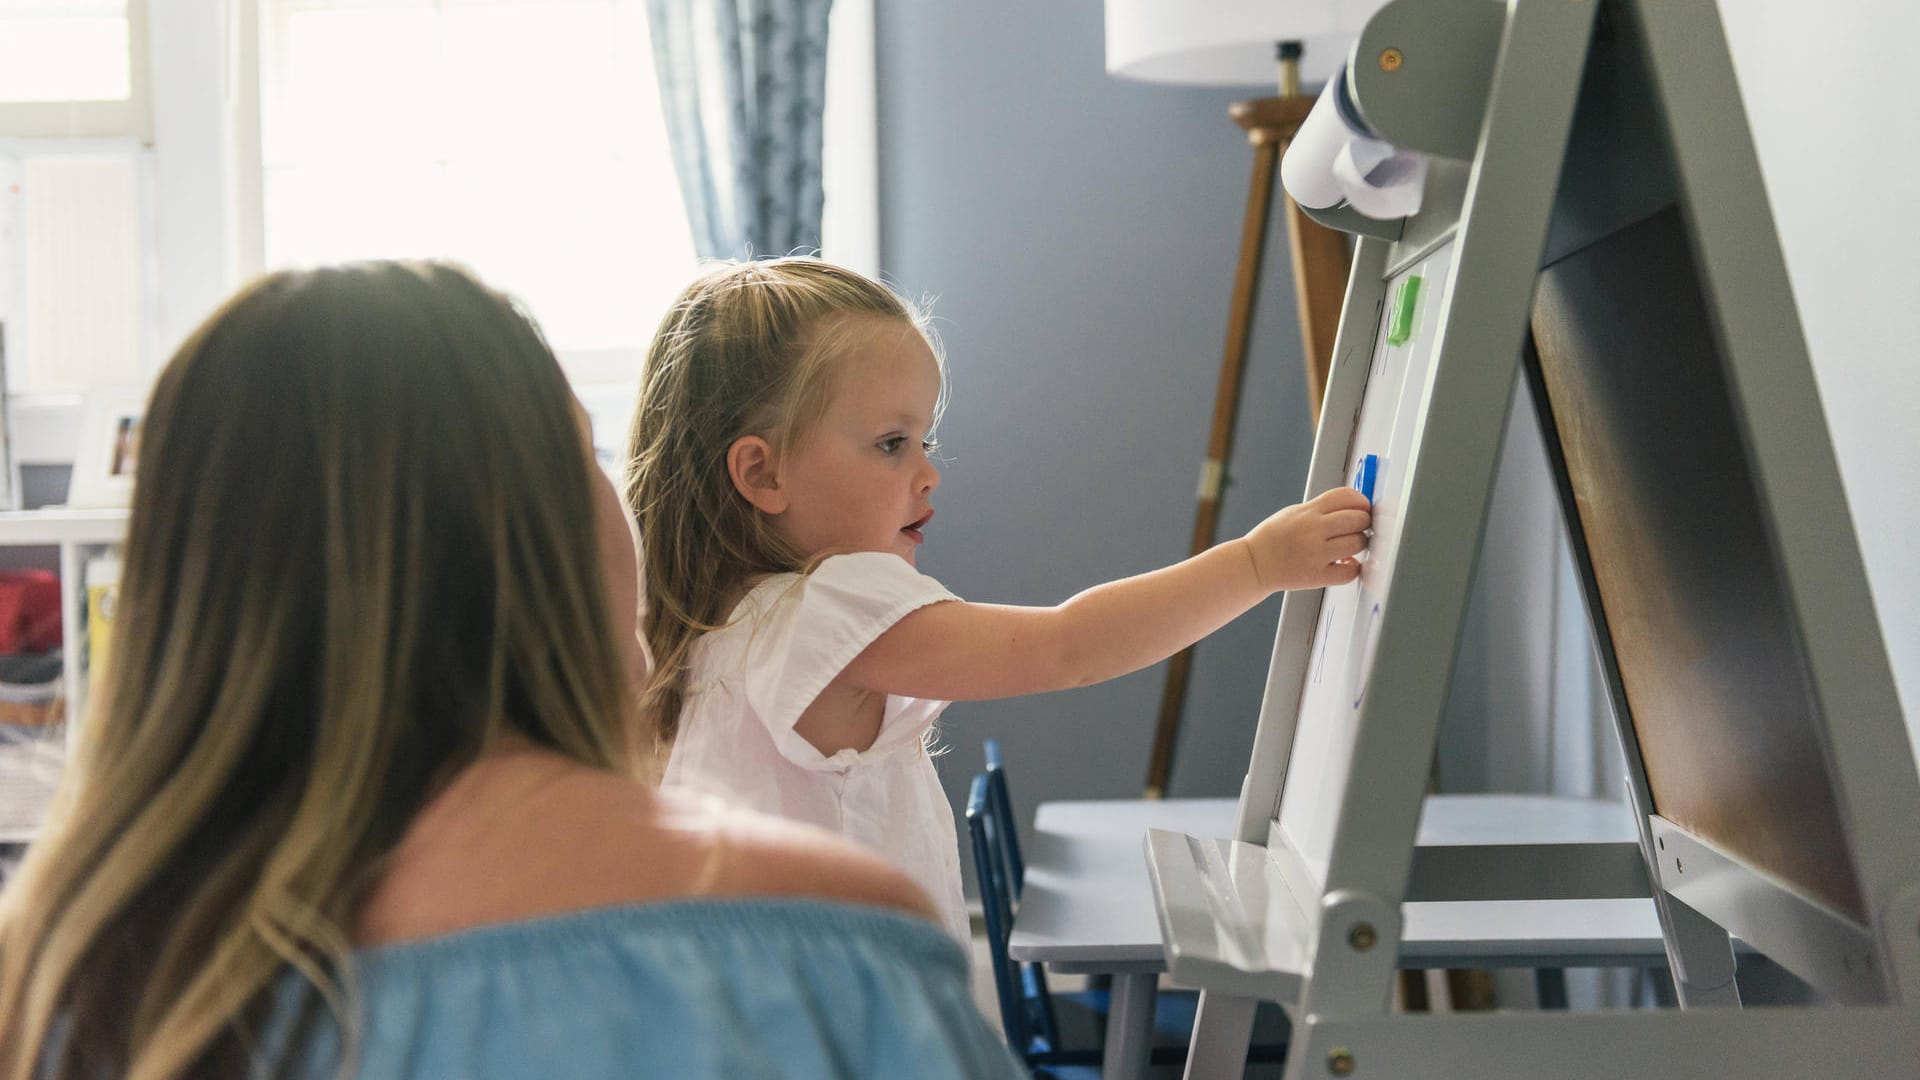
x,y
780,474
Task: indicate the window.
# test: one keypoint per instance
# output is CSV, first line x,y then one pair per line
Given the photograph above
x,y
69,68
522,138
72,296
75,212
154,156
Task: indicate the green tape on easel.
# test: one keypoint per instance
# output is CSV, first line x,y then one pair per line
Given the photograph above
x,y
1405,298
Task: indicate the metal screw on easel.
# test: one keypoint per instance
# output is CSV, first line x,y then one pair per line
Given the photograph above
x,y
1340,1061
1390,59
1362,936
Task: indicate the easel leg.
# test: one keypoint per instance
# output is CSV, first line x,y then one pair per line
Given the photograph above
x,y
1702,959
1222,1031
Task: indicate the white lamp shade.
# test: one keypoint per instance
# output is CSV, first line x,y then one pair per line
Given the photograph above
x,y
1229,42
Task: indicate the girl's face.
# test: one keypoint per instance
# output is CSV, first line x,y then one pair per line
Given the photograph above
x,y
859,480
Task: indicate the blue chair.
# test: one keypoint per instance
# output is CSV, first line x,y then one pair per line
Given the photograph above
x,y
1027,1007
1000,804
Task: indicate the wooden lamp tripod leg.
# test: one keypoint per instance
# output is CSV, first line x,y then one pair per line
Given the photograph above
x,y
1320,268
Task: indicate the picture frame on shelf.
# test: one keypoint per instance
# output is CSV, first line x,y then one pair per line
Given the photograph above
x,y
108,452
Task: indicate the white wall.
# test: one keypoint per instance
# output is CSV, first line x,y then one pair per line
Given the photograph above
x,y
193,261
1836,118
1079,233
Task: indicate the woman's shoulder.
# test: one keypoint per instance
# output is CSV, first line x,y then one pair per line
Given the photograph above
x,y
530,834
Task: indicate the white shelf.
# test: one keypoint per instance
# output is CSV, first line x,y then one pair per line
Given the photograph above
x,y
73,530
62,525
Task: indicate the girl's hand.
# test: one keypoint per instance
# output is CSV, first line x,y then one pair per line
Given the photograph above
x,y
1311,545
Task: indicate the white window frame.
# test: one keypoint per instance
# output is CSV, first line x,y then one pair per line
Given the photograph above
x,y
195,100
131,117
42,427
850,160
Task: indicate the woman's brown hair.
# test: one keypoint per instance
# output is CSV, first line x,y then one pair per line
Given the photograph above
x,y
360,552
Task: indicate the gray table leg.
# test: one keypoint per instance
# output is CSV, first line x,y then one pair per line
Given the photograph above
x,y
1130,1026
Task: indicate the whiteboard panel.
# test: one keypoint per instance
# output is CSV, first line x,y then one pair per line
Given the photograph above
x,y
1399,382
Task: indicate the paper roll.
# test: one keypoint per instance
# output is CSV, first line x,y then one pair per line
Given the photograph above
x,y
1307,169
1379,180
1333,160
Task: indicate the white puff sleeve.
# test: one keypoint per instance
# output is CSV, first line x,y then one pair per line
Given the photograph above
x,y
808,628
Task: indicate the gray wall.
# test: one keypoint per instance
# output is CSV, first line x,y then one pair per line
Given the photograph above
x,y
1839,142
1078,234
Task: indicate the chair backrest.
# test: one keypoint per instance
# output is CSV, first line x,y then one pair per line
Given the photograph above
x,y
1026,1004
996,902
1001,805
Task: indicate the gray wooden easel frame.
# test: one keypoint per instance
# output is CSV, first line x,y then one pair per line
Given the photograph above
x,y
1490,90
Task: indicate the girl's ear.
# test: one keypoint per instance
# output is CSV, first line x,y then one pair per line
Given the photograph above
x,y
754,471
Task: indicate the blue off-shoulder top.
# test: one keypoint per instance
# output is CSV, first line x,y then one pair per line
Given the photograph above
x,y
734,989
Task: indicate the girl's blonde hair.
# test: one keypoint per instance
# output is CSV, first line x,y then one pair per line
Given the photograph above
x,y
747,349
359,554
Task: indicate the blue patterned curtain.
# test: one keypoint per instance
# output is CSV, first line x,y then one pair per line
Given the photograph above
x,y
743,83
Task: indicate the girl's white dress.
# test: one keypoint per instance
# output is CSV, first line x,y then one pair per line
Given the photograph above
x,y
750,681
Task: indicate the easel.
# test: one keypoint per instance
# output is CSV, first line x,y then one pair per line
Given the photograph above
x,y
1595,224
1320,263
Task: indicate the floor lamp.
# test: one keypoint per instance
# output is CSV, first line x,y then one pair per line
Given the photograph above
x,y
1238,43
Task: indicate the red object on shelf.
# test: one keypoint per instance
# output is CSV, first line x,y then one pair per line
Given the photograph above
x,y
29,611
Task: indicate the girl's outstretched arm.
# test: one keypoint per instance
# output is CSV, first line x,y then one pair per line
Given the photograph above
x,y
973,652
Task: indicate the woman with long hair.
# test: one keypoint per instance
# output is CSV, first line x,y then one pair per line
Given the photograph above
x,y
357,792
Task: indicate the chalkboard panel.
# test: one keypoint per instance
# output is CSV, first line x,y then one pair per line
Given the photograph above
x,y
1682,560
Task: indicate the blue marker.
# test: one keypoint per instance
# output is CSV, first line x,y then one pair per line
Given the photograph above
x,y
1363,481
1369,472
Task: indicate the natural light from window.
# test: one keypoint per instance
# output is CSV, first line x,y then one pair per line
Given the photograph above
x,y
64,50
523,139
